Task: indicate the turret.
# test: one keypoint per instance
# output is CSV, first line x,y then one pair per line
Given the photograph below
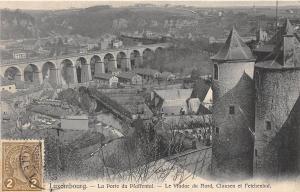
x,y
277,126
233,110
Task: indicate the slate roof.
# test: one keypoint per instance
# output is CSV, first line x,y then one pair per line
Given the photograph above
x,y
167,75
286,29
174,108
244,103
126,75
202,110
234,49
201,88
6,95
5,81
145,71
293,118
265,48
285,54
106,76
174,94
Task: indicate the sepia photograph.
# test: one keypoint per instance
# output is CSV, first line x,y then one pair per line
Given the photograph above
x,y
150,96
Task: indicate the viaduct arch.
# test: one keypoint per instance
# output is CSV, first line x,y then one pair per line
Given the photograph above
x,y
72,69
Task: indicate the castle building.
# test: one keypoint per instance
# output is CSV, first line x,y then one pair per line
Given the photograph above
x,y
277,107
233,109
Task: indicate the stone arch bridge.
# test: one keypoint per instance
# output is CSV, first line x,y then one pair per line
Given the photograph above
x,y
81,67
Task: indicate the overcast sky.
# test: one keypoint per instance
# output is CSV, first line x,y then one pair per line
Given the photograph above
x,y
54,4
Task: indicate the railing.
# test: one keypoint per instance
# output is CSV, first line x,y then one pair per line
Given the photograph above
x,y
26,61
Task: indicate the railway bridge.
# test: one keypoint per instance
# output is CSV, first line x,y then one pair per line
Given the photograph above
x,y
80,67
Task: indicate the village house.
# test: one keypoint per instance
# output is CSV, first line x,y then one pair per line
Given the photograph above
x,y
6,85
105,44
106,79
106,41
117,44
6,110
261,35
19,54
21,98
267,46
171,101
83,49
115,71
130,78
29,44
203,91
147,73
168,76
92,44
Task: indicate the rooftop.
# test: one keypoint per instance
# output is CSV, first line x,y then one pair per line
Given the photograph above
x,y
8,96
5,81
234,49
201,88
145,71
126,75
76,117
286,52
174,94
103,76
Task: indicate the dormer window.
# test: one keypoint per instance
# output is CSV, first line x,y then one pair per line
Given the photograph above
x,y
216,72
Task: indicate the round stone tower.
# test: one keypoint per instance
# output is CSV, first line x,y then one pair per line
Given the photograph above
x,y
277,124
233,110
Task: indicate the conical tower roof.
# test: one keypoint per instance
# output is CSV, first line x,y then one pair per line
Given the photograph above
x,y
286,53
234,49
286,29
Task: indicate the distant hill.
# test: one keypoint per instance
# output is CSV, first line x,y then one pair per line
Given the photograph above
x,y
17,24
93,21
98,20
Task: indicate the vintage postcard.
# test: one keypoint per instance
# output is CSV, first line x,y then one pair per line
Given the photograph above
x,y
150,96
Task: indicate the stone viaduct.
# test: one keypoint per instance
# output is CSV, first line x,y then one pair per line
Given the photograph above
x,y
80,67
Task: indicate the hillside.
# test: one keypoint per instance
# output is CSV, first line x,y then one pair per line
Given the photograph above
x,y
98,20
17,24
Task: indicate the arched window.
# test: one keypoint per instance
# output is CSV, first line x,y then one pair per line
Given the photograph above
x,y
216,72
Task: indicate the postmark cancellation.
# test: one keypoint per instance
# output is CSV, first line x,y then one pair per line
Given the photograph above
x,y
22,165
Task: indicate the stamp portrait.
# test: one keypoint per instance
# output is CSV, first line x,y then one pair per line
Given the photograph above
x,y
22,165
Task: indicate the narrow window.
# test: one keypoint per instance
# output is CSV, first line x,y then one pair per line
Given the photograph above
x,y
217,130
257,80
216,72
268,125
255,152
231,110
9,87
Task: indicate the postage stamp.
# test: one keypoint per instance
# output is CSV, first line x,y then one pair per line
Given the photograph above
x,y
22,165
